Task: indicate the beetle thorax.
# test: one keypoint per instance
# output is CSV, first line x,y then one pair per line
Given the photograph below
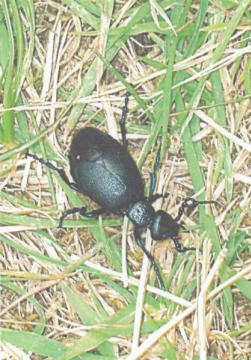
x,y
140,213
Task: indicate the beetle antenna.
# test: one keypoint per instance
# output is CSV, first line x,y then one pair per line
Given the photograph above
x,y
179,247
190,203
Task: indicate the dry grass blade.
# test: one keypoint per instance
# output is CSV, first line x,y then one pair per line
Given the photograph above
x,y
67,293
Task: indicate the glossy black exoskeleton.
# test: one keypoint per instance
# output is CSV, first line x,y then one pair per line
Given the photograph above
x,y
104,170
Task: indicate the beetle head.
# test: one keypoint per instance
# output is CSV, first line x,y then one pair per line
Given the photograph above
x,y
164,226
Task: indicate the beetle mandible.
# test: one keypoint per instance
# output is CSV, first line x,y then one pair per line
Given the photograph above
x,y
103,169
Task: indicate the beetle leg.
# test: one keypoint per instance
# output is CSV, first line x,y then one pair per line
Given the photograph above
x,y
150,257
190,203
179,247
94,213
82,211
155,197
61,172
154,173
70,212
123,120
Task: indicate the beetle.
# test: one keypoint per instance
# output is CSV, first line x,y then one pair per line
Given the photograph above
x,y
103,169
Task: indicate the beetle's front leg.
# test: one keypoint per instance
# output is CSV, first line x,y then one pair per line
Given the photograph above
x,y
150,257
82,211
155,197
61,172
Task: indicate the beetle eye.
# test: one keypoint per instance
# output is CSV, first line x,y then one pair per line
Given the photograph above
x,y
78,157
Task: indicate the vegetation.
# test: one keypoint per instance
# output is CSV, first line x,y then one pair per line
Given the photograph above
x,y
67,64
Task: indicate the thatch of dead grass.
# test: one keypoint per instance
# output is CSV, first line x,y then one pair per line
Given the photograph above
x,y
65,293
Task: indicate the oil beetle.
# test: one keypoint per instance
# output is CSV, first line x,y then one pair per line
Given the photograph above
x,y
104,170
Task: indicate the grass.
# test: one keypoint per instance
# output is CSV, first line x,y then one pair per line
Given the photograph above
x,y
187,66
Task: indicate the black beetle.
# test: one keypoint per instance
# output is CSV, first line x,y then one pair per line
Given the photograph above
x,y
104,170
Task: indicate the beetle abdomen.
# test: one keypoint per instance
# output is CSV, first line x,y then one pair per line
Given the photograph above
x,y
104,170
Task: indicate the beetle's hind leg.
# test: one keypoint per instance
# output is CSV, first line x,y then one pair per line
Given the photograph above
x,y
150,257
82,211
60,171
123,120
190,203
